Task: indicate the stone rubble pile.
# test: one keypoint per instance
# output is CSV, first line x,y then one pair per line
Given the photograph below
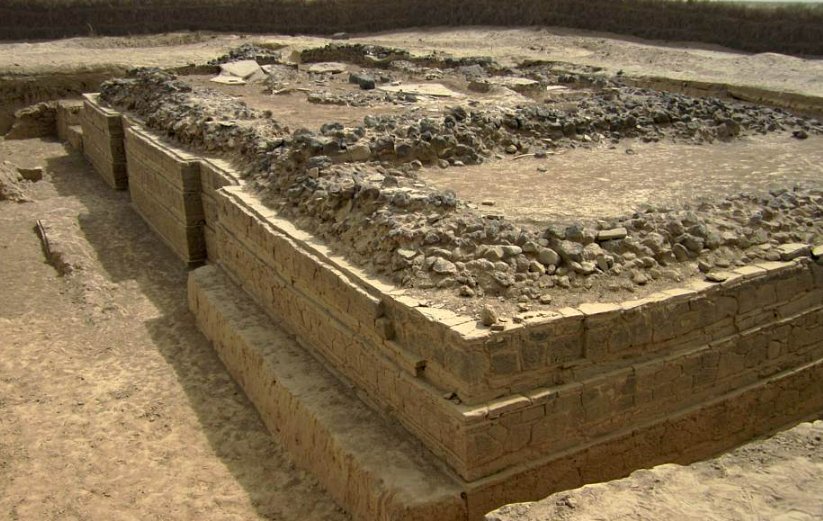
x,y
11,183
248,51
380,57
35,121
471,135
358,189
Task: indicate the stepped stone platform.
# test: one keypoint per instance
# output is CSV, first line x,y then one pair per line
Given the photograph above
x,y
370,465
360,379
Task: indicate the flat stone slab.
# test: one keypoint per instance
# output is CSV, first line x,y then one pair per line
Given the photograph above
x,y
423,89
327,68
228,80
793,251
613,234
248,70
520,85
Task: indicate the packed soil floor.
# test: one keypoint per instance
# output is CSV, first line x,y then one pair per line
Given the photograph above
x,y
114,406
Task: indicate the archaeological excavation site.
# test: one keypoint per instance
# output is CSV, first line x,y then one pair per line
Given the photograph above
x,y
446,278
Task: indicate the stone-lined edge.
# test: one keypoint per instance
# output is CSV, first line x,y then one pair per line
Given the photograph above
x,y
447,436
103,143
376,470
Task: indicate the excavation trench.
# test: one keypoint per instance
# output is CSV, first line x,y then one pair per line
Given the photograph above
x,y
351,371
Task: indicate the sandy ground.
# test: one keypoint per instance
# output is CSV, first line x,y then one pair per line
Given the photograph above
x,y
112,405
586,185
633,56
777,479
508,45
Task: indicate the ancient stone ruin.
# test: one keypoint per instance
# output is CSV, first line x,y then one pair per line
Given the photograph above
x,y
430,356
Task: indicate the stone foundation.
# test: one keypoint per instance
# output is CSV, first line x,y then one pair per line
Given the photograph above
x,y
586,394
164,184
103,143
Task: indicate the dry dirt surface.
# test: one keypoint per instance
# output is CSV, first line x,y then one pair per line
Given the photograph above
x,y
779,479
586,185
112,405
509,46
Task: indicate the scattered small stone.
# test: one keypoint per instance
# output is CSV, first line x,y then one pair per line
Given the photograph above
x,y
487,202
357,186
680,252
466,291
545,299
488,316
570,250
717,276
640,278
444,267
364,81
327,68
800,134
247,70
406,254
498,327
612,234
548,257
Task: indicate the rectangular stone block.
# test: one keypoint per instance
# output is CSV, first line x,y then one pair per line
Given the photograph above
x,y
215,174
103,142
178,168
186,207
187,242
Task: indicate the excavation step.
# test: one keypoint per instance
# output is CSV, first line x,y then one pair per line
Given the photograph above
x,y
375,469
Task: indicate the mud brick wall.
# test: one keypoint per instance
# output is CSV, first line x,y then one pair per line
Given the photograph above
x,y
103,143
717,425
214,175
742,334
578,341
547,387
317,417
69,114
164,184
334,318
635,362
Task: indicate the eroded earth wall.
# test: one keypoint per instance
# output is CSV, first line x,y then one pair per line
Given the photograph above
x,y
792,30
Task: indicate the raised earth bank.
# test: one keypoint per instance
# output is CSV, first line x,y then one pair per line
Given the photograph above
x,y
789,30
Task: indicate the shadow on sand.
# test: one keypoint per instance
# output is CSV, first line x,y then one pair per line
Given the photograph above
x,y
129,251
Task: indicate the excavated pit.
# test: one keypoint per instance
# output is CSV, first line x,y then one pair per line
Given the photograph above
x,y
512,293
